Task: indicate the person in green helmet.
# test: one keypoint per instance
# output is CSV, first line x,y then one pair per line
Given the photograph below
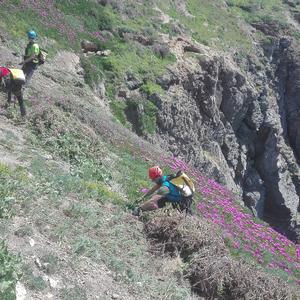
x,y
31,60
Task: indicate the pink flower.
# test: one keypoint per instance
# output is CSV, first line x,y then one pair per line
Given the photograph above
x,y
43,13
144,190
298,251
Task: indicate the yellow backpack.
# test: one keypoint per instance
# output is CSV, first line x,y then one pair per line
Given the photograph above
x,y
17,75
184,183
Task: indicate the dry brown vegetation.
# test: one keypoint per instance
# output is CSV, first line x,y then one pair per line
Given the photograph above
x,y
210,268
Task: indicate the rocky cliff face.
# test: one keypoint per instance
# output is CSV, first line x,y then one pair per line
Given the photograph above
x,y
236,118
238,124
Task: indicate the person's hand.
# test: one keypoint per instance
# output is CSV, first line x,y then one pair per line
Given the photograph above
x,y
139,200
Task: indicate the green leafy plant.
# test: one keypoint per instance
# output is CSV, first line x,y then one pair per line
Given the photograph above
x,y
9,273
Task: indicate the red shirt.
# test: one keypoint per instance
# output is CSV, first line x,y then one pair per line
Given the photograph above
x,y
4,72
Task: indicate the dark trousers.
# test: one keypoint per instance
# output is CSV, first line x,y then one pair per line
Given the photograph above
x,y
14,87
28,70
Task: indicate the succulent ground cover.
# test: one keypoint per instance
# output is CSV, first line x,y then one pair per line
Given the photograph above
x,y
91,145
244,235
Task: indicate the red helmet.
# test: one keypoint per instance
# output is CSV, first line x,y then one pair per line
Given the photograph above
x,y
155,172
4,72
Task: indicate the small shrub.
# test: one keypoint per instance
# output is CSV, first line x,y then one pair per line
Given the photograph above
x,y
118,108
150,88
9,273
24,231
142,114
148,119
161,50
86,246
210,269
36,283
50,263
6,204
103,2
7,187
91,74
123,30
75,293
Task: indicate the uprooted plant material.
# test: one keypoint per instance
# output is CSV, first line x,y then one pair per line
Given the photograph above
x,y
210,267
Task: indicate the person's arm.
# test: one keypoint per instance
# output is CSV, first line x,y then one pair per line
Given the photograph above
x,y
152,190
29,59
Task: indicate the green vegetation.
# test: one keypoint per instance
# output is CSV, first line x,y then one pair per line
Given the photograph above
x,y
145,115
151,88
210,23
62,22
9,273
79,196
257,11
141,112
82,222
118,109
75,293
10,184
117,27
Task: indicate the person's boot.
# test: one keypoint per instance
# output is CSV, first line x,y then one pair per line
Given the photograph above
x,y
23,113
136,211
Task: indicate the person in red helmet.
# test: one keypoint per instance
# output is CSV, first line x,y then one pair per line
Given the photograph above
x,y
162,192
12,81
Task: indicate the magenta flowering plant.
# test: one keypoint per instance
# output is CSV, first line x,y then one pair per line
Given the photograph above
x,y
144,190
50,17
242,233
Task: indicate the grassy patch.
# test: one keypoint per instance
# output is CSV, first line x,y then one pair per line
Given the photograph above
x,y
126,57
120,251
257,10
50,263
142,114
9,273
36,283
75,293
151,88
210,23
118,108
12,185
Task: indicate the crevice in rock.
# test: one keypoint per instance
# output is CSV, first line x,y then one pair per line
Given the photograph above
x,y
132,115
276,213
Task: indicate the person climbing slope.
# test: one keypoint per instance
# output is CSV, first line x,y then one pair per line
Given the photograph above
x,y
175,189
12,80
31,59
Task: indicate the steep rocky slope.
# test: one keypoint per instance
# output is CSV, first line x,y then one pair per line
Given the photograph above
x,y
220,93
240,127
216,86
236,118
74,242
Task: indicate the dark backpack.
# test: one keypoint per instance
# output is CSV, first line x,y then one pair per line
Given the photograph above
x,y
42,56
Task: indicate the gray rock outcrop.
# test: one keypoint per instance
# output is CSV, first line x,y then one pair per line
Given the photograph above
x,y
240,127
